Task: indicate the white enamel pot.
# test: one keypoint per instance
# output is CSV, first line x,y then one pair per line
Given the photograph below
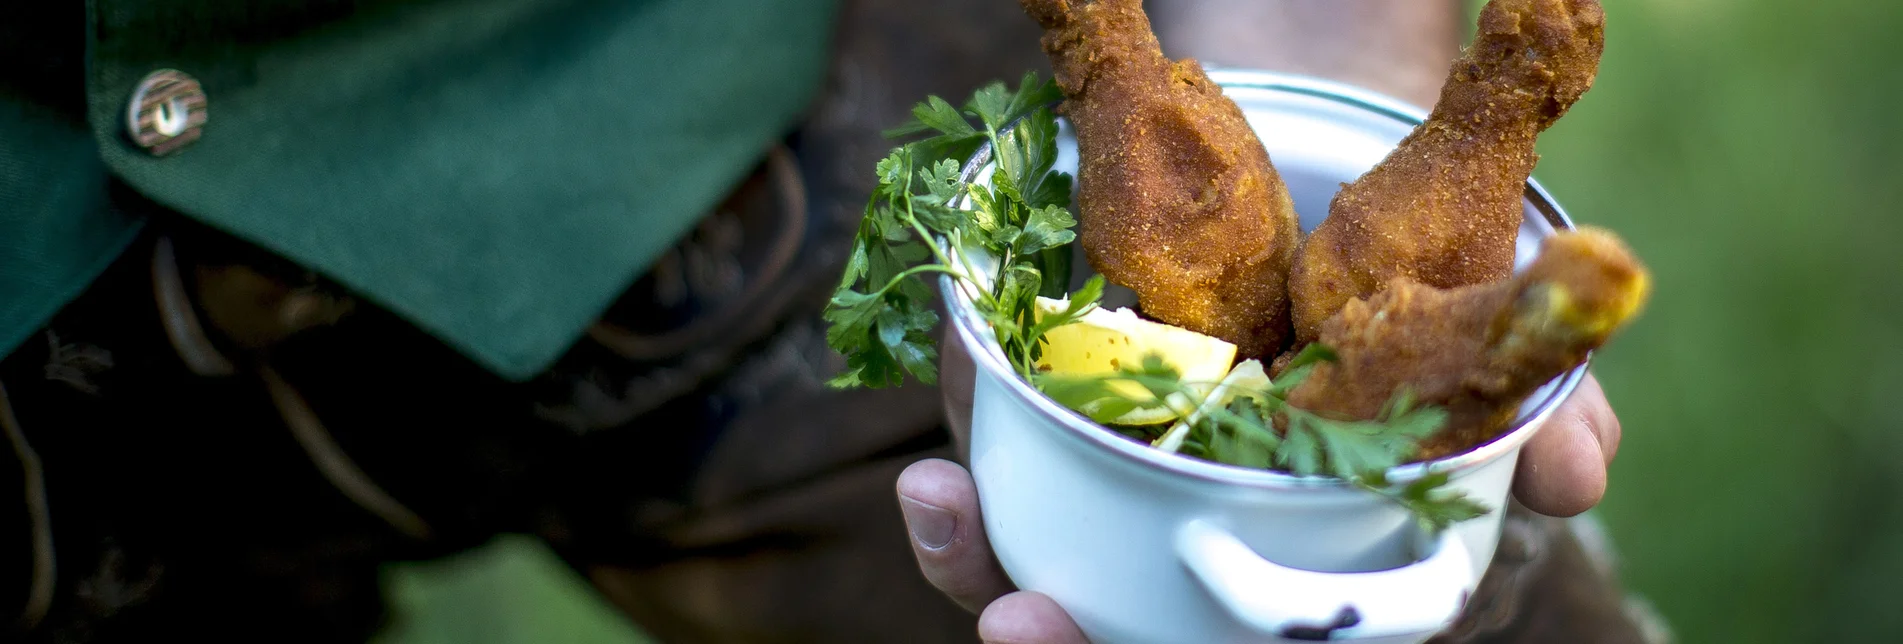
x,y
1142,547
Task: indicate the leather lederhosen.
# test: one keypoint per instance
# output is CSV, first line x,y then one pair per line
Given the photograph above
x,y
229,446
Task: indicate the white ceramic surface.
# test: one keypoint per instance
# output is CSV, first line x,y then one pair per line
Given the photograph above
x,y
1146,547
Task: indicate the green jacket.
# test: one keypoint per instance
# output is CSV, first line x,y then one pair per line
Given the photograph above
x,y
494,171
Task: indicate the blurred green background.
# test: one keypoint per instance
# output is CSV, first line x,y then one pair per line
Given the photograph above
x,y
1748,150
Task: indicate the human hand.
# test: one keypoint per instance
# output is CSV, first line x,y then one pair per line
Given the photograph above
x,y
1562,473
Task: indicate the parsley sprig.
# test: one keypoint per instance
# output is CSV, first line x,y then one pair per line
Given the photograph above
x,y
917,222
1243,433
1007,241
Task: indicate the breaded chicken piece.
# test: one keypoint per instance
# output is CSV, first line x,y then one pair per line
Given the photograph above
x,y
1444,208
1477,351
1178,201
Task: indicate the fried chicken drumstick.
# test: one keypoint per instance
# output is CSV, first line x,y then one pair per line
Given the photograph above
x,y
1477,351
1444,208
1178,201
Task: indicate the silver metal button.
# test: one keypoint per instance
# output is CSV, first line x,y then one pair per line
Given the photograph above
x,y
167,112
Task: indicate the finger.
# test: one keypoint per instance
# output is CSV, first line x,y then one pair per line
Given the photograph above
x,y
1563,469
1026,617
940,503
1599,416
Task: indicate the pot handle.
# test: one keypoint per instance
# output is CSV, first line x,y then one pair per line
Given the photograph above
x,y
1422,597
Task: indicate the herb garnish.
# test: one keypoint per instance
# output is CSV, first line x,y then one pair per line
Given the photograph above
x,y
1243,433
923,218
913,226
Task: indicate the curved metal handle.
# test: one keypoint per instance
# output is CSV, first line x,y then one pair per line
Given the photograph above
x,y
1420,598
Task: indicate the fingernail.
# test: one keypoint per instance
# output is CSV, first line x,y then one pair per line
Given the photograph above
x,y
931,525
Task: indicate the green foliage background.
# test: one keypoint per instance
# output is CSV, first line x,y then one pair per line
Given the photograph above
x,y
1749,151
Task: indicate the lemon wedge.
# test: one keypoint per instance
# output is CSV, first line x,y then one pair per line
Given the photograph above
x,y
1104,341
1246,376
